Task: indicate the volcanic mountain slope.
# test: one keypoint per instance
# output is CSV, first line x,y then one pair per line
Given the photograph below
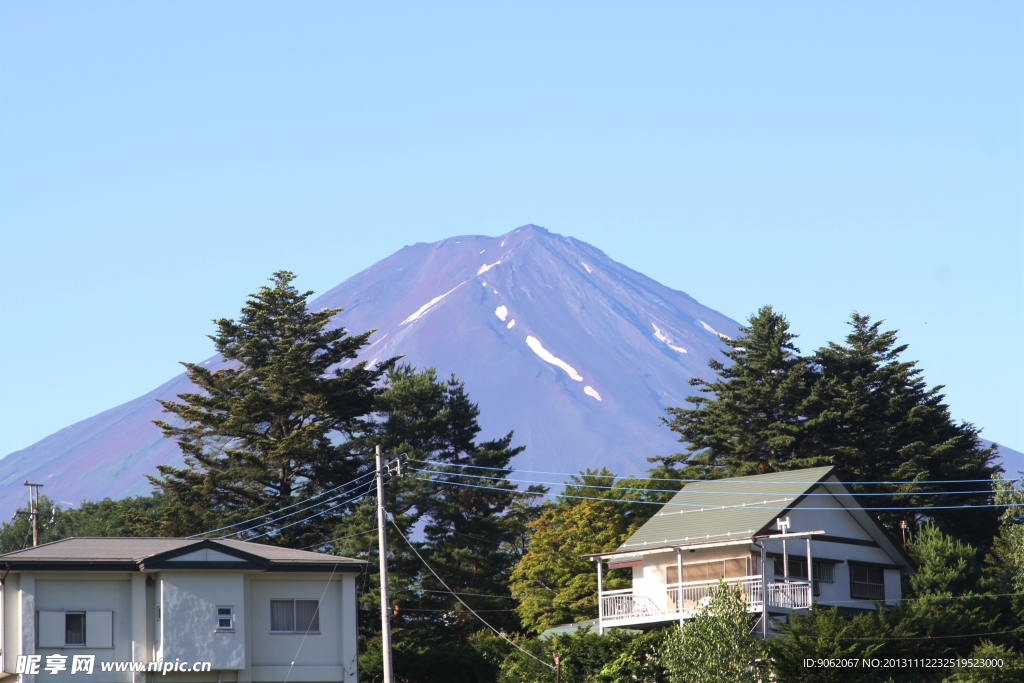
x,y
576,353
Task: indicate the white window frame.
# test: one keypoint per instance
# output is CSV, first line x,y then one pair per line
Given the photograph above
x,y
295,619
230,616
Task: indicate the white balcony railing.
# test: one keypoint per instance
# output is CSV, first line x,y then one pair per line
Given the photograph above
x,y
623,607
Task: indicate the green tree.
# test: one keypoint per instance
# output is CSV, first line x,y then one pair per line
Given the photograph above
x,y
822,634
553,584
715,646
104,518
461,530
264,433
872,415
750,419
587,657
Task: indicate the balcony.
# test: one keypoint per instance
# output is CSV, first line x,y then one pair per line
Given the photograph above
x,y
683,600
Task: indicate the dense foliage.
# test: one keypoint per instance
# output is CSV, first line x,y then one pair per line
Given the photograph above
x,y
263,433
856,406
281,443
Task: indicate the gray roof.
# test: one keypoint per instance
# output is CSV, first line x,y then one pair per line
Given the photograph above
x,y
137,553
709,511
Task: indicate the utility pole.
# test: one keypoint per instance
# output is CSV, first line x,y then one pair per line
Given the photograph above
x,y
33,496
385,616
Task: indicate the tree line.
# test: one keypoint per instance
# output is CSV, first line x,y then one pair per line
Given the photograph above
x,y
279,444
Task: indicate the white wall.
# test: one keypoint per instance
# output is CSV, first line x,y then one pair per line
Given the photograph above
x,y
280,648
188,617
85,591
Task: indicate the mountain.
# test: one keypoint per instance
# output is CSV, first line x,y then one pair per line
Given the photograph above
x,y
576,353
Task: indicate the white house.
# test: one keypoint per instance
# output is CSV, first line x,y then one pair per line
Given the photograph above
x,y
235,611
730,528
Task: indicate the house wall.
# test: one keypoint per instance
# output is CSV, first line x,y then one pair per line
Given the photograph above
x,y
26,594
837,521
186,627
188,618
326,656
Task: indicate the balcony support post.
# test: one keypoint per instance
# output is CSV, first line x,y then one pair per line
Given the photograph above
x,y
679,599
600,600
810,572
764,592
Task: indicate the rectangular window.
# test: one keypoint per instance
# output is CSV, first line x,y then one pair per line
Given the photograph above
x,y
867,582
295,616
282,616
74,628
225,618
307,616
732,568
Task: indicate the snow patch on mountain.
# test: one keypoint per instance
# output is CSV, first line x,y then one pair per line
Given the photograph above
x,y
547,356
484,268
501,312
668,342
713,331
511,324
591,391
588,270
430,304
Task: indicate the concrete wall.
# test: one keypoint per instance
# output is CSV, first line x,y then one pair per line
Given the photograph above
x,y
188,618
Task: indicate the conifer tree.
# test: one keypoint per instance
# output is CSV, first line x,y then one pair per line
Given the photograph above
x,y
872,415
749,420
459,530
264,433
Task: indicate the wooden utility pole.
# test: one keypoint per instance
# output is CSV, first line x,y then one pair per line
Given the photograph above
x,y
385,616
33,496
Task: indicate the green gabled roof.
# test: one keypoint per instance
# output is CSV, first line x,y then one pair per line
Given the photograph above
x,y
708,511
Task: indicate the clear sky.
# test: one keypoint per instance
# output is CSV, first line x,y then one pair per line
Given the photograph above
x,y
159,160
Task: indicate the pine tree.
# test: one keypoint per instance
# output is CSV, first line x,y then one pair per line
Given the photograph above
x,y
459,530
264,432
872,415
749,420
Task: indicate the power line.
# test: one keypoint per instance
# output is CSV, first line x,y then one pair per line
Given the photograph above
x,y
301,502
350,500
441,581
278,519
616,477
709,507
727,493
334,540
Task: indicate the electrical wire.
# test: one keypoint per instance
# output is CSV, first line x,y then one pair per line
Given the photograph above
x,y
278,519
317,612
301,502
441,581
345,502
726,493
616,477
705,508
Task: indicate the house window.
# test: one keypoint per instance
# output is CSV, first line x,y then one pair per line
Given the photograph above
x,y
65,628
867,582
295,616
824,572
74,628
733,568
225,618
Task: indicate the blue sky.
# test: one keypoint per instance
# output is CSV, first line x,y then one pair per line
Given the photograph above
x,y
160,160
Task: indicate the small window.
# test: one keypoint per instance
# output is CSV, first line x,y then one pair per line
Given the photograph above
x,y
867,582
294,616
74,628
225,618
